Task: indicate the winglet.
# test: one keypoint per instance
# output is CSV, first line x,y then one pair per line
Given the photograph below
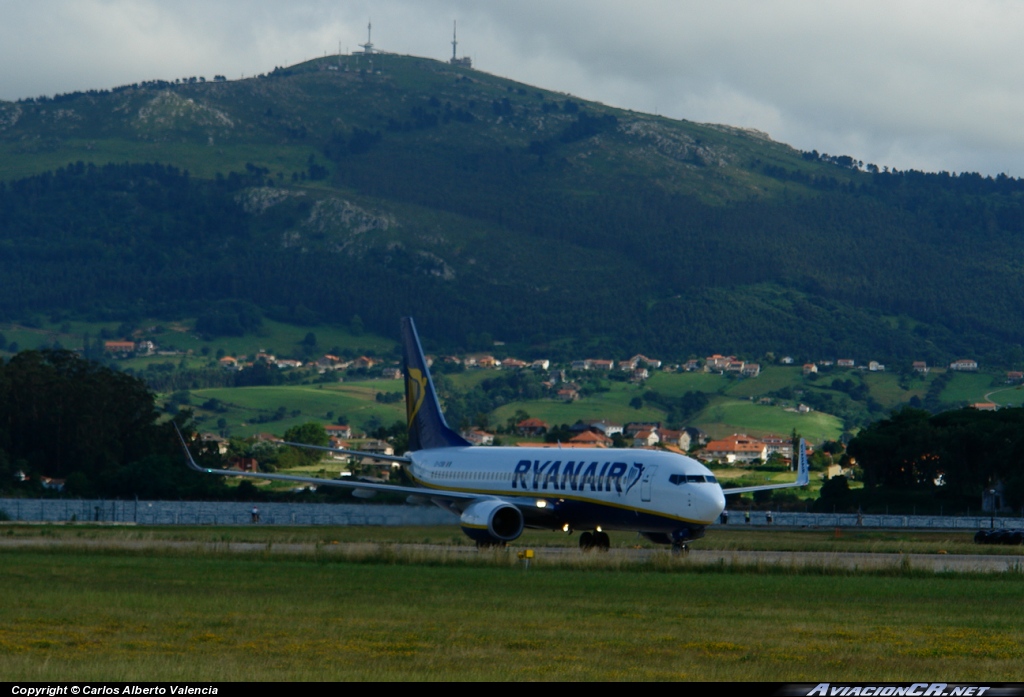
x,y
803,477
803,472
188,453
427,427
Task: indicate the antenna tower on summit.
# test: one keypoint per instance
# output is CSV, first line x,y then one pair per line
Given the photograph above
x,y
368,46
465,60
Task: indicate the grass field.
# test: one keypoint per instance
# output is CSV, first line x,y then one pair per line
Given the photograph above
x,y
969,387
723,416
353,400
74,615
1009,396
285,339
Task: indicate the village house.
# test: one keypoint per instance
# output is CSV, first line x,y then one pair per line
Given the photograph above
x,y
646,439
751,370
531,427
717,363
738,447
477,436
212,440
920,367
964,364
338,430
568,394
1014,376
634,427
119,347
846,363
778,445
592,440
810,368
377,447
639,375
605,427
680,439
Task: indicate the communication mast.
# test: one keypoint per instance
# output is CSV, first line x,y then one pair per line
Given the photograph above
x,y
465,60
368,46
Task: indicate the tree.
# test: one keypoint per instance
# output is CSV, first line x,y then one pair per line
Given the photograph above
x,y
311,433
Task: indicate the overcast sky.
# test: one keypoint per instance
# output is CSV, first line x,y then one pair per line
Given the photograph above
x,y
930,85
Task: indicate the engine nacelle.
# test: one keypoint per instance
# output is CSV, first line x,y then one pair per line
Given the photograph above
x,y
492,520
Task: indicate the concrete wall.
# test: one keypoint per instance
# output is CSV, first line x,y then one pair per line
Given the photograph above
x,y
221,512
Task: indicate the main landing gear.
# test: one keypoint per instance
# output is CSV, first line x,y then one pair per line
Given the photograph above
x,y
590,540
680,548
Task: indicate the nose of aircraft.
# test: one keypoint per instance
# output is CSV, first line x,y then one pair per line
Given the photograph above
x,y
712,502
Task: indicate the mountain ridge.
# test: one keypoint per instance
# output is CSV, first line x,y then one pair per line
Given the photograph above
x,y
483,206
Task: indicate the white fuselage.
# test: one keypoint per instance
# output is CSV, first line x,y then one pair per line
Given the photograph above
x,y
625,488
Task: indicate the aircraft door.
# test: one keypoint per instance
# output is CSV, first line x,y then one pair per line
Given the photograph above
x,y
645,483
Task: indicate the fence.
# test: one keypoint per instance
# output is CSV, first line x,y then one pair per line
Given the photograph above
x,y
220,512
878,520
240,513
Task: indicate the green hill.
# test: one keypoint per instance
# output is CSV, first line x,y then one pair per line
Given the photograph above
x,y
490,209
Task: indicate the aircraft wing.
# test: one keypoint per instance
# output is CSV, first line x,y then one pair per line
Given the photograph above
x,y
803,477
430,494
356,453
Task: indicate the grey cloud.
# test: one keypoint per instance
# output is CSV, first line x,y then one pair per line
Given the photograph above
x,y
933,85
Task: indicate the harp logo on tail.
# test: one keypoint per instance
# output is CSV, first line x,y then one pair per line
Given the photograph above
x,y
415,391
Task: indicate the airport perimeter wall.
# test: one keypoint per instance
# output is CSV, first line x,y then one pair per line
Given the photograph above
x,y
220,512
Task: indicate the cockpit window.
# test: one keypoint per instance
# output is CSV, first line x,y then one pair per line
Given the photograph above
x,y
678,479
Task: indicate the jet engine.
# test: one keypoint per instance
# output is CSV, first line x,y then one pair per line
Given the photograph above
x,y
491,521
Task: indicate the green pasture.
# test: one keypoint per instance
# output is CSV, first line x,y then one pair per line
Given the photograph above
x,y
610,406
724,416
353,400
885,388
1008,396
770,379
203,160
969,387
78,615
681,383
284,339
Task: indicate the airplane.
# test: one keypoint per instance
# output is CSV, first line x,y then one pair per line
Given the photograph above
x,y
497,492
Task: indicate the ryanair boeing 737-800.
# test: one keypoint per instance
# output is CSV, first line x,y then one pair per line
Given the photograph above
x,y
498,492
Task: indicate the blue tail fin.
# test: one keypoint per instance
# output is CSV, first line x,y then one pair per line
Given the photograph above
x,y
427,427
